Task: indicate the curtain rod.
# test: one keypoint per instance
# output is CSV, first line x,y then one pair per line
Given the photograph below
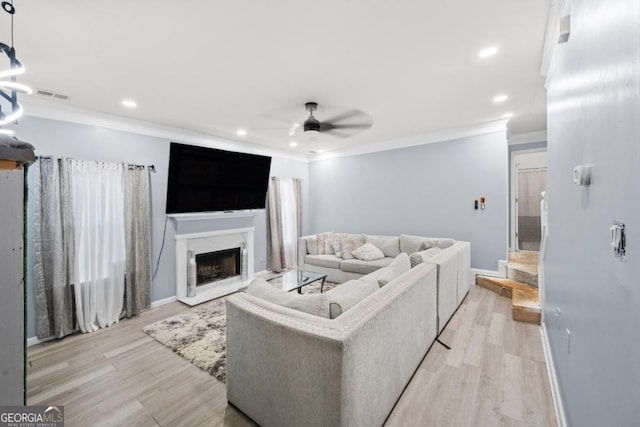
x,y
151,167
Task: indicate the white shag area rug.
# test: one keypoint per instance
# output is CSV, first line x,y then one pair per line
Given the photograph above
x,y
199,335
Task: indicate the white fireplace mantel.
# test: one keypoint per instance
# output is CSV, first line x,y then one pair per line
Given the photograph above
x,y
211,241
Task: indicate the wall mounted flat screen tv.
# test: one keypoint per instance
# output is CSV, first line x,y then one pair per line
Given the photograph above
x,y
206,179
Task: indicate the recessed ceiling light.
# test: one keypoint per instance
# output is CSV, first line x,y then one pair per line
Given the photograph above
x,y
241,132
129,103
6,132
507,115
500,98
321,151
293,144
490,51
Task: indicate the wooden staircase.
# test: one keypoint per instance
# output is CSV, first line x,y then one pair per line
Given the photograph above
x,y
524,296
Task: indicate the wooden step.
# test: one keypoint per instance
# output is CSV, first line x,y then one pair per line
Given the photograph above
x,y
500,286
525,306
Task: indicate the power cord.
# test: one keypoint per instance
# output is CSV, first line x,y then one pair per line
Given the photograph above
x,y
164,235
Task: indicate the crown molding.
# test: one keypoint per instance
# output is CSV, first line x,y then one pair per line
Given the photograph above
x,y
557,9
526,138
56,110
422,139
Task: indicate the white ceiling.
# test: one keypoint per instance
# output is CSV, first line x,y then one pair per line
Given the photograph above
x,y
217,66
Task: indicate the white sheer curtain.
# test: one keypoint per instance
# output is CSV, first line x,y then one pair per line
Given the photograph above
x,y
100,249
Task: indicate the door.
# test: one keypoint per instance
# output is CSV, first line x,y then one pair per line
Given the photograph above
x,y
530,183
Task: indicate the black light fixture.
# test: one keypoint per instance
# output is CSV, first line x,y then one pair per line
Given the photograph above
x,y
9,87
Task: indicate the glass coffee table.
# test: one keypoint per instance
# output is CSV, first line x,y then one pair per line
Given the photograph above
x,y
297,279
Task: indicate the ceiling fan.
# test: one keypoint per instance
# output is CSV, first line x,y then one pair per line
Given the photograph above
x,y
344,124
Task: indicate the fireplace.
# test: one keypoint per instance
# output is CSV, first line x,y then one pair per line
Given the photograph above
x,y
219,259
217,265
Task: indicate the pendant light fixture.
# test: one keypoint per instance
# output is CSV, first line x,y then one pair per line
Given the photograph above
x,y
9,87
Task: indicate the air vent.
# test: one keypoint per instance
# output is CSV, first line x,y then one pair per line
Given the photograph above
x,y
51,94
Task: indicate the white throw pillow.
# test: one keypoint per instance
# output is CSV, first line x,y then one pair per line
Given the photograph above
x,y
312,245
350,243
348,294
398,266
316,304
367,252
322,242
335,240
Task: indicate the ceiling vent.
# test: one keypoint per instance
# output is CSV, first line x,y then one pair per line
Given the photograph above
x,y
51,94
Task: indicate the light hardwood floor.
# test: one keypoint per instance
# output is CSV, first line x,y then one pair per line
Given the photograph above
x,y
494,375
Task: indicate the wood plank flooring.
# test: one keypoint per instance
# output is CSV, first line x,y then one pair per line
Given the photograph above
x,y
494,375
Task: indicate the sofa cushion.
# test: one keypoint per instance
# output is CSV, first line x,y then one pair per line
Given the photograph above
x,y
350,243
398,266
335,240
390,246
423,256
312,245
364,267
348,294
316,304
322,243
367,252
327,261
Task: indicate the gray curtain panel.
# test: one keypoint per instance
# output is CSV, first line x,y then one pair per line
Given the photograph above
x,y
137,202
53,250
275,237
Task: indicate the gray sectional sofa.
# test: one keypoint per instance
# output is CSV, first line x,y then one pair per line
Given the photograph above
x,y
288,367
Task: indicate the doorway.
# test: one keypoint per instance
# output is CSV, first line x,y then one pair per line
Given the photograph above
x,y
529,180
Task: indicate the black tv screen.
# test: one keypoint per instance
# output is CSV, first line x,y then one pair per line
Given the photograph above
x,y
206,179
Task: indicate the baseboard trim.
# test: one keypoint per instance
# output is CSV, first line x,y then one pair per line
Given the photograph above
x,y
164,301
553,379
35,340
490,273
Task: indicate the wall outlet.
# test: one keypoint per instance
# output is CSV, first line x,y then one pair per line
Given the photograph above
x,y
568,341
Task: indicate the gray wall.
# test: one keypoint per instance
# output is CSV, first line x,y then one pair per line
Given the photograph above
x,y
62,139
593,119
427,190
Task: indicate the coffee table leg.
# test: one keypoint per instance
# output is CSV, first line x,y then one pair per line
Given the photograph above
x,y
300,290
322,285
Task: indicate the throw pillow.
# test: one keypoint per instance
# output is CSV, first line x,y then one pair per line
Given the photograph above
x,y
426,245
423,256
316,304
398,266
312,245
322,242
350,243
390,246
367,252
335,240
348,294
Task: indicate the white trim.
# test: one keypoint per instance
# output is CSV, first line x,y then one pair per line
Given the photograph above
x,y
427,138
35,340
261,273
213,233
558,406
54,110
490,273
163,301
211,215
527,138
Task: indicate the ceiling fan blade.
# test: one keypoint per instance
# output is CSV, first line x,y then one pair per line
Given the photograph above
x,y
336,134
325,127
342,116
354,126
